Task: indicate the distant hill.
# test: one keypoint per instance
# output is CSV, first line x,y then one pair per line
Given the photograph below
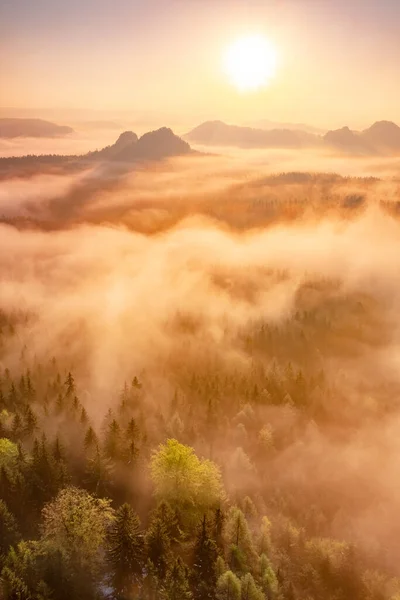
x,y
218,133
383,137
37,128
128,149
154,145
348,141
267,124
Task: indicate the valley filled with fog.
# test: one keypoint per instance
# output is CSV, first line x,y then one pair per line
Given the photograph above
x,y
162,304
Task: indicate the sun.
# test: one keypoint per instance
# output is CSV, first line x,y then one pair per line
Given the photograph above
x,y
250,62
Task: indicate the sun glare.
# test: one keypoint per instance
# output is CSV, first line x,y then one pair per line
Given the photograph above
x,y
250,62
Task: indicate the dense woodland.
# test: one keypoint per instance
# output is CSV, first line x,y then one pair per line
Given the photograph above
x,y
192,496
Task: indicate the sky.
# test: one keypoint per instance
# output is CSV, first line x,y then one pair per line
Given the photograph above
x,y
337,59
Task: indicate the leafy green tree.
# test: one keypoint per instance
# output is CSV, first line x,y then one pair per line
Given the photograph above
x,y
21,575
125,549
204,577
8,454
76,523
13,586
228,587
185,481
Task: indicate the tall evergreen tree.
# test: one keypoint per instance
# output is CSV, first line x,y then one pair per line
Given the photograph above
x,y
158,546
204,578
8,531
176,586
125,550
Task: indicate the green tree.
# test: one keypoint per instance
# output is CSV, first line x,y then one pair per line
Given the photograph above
x,y
125,549
241,550
228,587
204,577
176,586
185,481
75,523
250,591
269,581
158,545
8,454
8,531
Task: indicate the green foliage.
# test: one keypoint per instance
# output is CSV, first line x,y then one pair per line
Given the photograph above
x,y
176,586
158,545
250,591
76,524
204,576
125,549
8,453
239,540
9,534
229,587
269,580
185,481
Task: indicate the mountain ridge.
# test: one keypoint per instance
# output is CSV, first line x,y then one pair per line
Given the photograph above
x,y
383,137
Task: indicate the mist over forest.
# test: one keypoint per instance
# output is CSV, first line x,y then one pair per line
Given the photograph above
x,y
199,373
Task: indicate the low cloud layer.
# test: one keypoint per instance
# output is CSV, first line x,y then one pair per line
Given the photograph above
x,y
175,267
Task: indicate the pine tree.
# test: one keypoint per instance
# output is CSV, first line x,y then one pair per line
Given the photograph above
x,y
112,442
241,549
158,546
70,385
90,440
176,585
84,417
12,399
228,587
204,577
30,421
125,549
29,387
217,529
8,531
250,591
98,477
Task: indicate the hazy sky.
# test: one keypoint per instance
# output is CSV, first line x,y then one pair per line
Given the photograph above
x,y
338,59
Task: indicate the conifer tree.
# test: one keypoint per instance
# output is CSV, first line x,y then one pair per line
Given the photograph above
x,y
70,385
176,586
158,546
204,577
228,587
8,531
125,550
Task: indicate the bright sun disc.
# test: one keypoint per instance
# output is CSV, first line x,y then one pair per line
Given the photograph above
x,y
250,62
